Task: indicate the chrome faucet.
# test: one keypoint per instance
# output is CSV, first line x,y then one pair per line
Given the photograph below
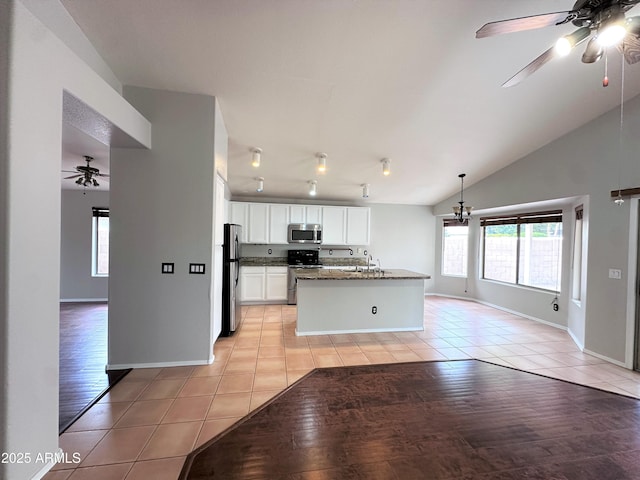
x,y
369,260
378,267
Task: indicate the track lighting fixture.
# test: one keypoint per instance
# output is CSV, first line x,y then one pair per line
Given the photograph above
x,y
313,188
365,190
322,162
386,166
260,186
256,153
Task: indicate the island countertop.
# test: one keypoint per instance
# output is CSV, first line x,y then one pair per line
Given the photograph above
x,y
349,274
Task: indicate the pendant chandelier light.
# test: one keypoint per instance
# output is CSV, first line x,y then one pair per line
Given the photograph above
x,y
460,210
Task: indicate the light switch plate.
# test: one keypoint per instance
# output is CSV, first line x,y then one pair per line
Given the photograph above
x,y
615,273
167,267
196,268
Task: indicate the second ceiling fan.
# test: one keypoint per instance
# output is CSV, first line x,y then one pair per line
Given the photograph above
x,y
602,20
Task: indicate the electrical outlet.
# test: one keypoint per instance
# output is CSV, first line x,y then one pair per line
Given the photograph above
x,y
615,273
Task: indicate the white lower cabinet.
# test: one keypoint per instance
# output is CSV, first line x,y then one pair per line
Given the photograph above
x,y
260,284
276,288
252,284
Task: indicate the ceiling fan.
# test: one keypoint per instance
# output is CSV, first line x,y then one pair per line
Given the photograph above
x,y
602,20
86,174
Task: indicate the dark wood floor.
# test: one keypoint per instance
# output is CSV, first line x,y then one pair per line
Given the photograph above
x,y
83,356
458,420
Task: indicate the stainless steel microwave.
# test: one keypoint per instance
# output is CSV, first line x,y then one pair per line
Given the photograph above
x,y
305,233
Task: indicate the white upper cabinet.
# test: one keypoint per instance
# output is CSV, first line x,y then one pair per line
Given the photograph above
x,y
278,223
358,225
258,223
266,223
334,225
239,214
297,214
313,214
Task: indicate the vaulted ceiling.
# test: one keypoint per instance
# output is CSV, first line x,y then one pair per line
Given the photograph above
x,y
360,80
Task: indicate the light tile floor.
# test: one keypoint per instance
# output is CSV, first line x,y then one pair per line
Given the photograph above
x,y
146,425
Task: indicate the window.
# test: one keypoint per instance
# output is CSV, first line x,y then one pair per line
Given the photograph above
x,y
576,280
100,243
454,248
524,249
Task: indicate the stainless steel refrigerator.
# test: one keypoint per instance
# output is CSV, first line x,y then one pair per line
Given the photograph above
x,y
231,315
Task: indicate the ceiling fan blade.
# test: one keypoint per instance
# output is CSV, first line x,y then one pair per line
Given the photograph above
x,y
524,23
630,46
531,68
593,52
73,176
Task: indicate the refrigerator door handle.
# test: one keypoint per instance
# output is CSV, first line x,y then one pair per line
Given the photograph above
x,y
237,273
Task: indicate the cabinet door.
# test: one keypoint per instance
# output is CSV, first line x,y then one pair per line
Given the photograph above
x,y
278,223
358,225
313,214
297,214
258,223
276,288
252,284
239,214
334,225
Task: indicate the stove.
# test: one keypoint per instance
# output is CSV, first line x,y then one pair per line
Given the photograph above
x,y
299,259
303,258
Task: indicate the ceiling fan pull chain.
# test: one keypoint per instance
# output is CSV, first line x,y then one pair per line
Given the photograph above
x,y
605,80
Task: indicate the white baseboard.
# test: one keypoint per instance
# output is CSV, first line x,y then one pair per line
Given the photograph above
x,y
185,363
446,295
83,300
367,330
47,467
606,359
561,327
575,340
524,315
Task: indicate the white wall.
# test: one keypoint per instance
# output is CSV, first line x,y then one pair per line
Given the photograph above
x,y
76,282
39,67
402,236
585,162
162,204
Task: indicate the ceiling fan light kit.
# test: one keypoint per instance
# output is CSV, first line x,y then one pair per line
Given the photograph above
x,y
86,174
604,19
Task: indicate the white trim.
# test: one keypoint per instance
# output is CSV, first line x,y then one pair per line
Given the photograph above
x,y
83,300
605,358
524,315
186,363
365,330
47,467
632,275
575,340
446,295
498,307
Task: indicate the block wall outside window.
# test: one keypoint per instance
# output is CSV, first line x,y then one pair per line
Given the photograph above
x,y
455,248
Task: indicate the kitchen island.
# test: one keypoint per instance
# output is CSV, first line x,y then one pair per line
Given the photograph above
x,y
333,301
